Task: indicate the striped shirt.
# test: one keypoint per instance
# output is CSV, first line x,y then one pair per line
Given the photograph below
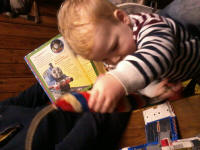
x,y
164,50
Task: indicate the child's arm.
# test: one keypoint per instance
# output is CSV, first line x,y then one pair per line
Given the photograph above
x,y
150,62
156,50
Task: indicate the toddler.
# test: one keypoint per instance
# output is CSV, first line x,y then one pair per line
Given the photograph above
x,y
146,49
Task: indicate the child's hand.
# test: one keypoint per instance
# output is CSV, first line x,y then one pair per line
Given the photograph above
x,y
105,94
159,91
168,90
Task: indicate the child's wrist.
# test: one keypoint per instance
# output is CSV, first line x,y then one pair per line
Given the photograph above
x,y
115,77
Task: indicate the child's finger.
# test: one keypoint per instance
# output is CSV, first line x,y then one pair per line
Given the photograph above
x,y
111,108
99,102
107,105
177,87
167,94
163,83
160,91
93,96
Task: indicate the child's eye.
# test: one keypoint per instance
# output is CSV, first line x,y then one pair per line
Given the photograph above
x,y
115,47
105,59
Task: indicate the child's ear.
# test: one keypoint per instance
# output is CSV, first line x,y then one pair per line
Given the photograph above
x,y
121,16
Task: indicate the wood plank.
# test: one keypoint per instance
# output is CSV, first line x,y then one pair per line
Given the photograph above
x,y
188,116
15,70
22,43
11,56
135,132
6,95
15,85
31,31
48,21
48,10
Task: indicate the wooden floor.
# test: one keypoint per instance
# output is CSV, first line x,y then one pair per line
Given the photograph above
x,y
18,37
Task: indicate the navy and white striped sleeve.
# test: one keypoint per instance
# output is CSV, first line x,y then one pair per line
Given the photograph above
x,y
153,58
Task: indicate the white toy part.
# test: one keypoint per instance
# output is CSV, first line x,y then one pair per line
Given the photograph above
x,y
158,112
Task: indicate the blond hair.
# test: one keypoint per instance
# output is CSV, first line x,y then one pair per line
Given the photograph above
x,y
77,20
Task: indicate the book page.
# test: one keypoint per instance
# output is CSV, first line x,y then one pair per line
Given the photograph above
x,y
58,69
88,68
92,68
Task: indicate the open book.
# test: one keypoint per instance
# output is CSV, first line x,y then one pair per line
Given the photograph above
x,y
59,71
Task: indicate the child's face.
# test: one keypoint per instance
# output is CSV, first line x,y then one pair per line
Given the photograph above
x,y
112,42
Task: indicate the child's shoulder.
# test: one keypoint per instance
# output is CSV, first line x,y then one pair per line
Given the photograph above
x,y
150,22
146,18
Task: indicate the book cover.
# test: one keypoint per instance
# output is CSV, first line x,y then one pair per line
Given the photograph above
x,y
59,71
